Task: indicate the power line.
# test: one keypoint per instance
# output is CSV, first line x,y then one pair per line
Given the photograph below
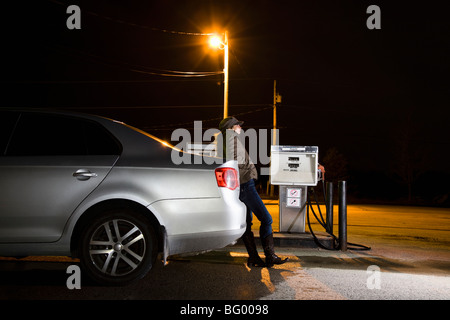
x,y
263,105
191,128
170,126
178,74
164,127
95,14
140,68
123,81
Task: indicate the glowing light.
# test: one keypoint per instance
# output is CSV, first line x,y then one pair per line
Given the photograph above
x,y
215,42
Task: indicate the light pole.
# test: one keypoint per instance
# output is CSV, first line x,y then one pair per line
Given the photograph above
x,y
217,42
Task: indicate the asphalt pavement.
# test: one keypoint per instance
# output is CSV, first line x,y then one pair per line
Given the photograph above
x,y
409,260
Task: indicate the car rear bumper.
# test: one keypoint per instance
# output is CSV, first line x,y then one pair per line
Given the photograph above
x,y
194,225
206,241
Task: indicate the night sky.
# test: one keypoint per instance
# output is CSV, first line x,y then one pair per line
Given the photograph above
x,y
378,97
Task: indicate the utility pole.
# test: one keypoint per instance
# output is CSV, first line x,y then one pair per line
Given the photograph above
x,y
222,43
276,99
225,72
274,112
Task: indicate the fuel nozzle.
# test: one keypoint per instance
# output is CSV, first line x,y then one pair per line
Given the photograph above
x,y
321,172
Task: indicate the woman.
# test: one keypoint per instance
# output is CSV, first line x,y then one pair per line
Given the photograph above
x,y
233,148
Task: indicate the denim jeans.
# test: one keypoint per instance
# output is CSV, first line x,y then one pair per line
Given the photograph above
x,y
250,197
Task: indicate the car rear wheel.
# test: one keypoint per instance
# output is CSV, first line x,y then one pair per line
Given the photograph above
x,y
118,247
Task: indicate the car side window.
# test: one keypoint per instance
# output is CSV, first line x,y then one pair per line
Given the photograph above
x,y
44,135
7,123
51,135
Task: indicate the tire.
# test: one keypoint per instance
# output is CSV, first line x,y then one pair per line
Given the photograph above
x,y
117,247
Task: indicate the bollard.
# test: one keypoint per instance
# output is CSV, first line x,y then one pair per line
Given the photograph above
x,y
329,207
343,215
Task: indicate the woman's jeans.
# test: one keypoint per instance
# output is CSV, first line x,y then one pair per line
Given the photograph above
x,y
250,197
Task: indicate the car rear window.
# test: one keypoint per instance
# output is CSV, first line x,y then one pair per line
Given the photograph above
x,y
99,141
47,135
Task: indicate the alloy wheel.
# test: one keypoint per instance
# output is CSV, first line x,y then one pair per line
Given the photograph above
x,y
117,247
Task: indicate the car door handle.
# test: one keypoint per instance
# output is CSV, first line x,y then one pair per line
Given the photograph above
x,y
84,174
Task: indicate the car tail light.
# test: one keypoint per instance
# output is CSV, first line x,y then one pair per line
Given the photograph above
x,y
227,178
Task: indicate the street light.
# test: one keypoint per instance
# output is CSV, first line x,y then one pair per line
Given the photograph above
x,y
216,41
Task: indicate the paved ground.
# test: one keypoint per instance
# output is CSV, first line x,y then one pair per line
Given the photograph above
x,y
409,259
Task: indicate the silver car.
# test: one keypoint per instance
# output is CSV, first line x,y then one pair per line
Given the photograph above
x,y
100,190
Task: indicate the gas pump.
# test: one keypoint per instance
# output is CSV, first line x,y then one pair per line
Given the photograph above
x,y
294,169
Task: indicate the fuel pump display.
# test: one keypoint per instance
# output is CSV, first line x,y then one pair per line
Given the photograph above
x,y
294,165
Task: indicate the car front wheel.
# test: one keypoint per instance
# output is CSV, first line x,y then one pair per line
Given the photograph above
x,y
118,247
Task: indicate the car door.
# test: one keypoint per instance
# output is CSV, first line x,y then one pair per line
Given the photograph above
x,y
50,164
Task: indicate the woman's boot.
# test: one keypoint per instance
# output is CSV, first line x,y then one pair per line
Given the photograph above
x,y
269,251
249,241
